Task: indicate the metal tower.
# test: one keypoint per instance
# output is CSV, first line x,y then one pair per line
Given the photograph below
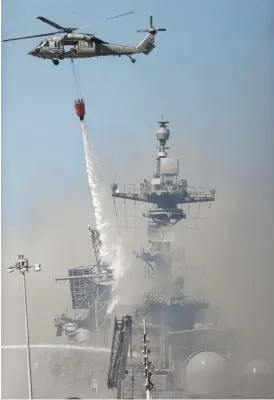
x,y
166,191
147,363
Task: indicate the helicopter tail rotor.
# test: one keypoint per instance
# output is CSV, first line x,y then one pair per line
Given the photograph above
x,y
151,28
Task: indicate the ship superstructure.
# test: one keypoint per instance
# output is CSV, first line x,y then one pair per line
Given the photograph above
x,y
174,319
166,193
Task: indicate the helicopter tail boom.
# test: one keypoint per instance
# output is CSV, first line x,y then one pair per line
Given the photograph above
x,y
147,44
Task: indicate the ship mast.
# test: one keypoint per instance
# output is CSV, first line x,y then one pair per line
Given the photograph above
x,y
166,191
148,383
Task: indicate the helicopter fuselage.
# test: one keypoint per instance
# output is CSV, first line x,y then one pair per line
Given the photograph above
x,y
86,46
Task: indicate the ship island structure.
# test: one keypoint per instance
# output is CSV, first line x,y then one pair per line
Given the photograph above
x,y
178,337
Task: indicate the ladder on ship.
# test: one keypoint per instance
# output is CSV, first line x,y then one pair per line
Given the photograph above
x,y
121,345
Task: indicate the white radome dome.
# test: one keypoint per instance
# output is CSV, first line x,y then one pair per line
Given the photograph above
x,y
205,374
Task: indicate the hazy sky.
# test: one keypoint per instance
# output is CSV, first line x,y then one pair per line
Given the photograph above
x,y
197,76
211,75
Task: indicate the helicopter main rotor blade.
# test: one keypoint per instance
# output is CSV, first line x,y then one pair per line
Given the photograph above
x,y
49,22
62,29
29,37
106,19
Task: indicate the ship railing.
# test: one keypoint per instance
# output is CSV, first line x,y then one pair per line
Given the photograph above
x,y
145,189
194,192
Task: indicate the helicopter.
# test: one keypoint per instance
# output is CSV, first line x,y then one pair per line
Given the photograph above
x,y
69,45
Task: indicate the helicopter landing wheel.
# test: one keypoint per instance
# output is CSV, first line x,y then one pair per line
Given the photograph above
x,y
55,62
132,59
61,57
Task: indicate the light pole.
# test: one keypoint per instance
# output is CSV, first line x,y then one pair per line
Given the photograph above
x,y
23,267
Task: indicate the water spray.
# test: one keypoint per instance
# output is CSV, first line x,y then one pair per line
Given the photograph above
x,y
111,251
57,346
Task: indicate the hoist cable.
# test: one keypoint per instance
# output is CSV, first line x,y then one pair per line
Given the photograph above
x,y
76,81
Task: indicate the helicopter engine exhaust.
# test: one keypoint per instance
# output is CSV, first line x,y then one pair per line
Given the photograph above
x,y
80,108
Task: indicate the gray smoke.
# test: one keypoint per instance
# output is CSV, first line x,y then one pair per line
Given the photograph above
x,y
236,247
